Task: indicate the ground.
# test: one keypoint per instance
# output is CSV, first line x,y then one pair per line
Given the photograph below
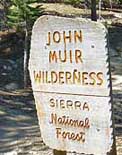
x,y
19,129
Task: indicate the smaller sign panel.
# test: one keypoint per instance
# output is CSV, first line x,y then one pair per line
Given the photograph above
x,y
71,84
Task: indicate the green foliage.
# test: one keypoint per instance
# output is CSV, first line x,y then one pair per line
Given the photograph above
x,y
120,1
4,4
22,13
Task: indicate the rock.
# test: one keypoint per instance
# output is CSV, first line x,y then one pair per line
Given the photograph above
x,y
12,153
119,49
11,86
113,52
6,67
117,22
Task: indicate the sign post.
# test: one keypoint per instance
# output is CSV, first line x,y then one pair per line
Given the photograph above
x,y
93,10
56,152
70,76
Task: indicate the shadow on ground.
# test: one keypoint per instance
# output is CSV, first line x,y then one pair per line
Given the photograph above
x,y
17,120
115,41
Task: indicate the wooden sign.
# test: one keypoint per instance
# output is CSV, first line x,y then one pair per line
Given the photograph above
x,y
71,84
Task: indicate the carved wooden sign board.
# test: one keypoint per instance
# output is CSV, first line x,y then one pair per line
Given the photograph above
x,y
71,84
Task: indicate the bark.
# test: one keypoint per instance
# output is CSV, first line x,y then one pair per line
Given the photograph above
x,y
93,10
55,152
26,57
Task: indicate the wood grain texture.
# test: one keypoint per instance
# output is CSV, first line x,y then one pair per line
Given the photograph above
x,y
94,59
73,90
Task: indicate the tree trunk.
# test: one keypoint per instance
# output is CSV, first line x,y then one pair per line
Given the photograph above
x,y
93,10
26,58
55,152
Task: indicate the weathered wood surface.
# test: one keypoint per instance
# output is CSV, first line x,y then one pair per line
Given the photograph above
x,y
93,49
72,84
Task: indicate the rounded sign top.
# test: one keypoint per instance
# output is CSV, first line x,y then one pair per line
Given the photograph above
x,y
69,54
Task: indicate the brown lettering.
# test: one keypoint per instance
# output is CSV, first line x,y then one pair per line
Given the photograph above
x,y
56,37
68,77
62,104
37,76
58,132
54,77
70,53
64,57
52,56
76,76
87,123
52,104
49,39
86,106
61,77
78,105
53,119
100,78
78,36
84,78
69,104
67,37
92,77
78,56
